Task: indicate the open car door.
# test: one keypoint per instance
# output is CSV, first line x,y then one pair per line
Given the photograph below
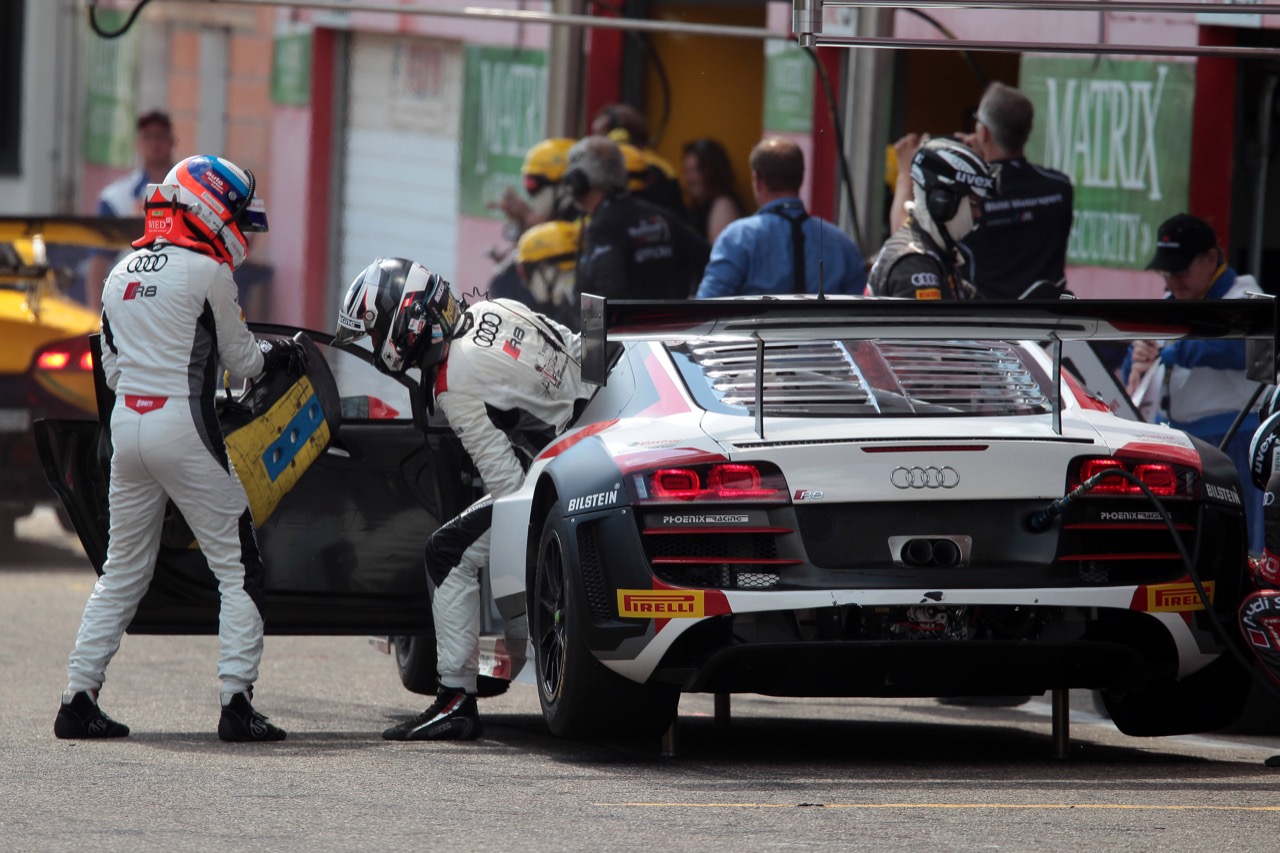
x,y
343,549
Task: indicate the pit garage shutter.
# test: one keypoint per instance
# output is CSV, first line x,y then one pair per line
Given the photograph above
x,y
399,187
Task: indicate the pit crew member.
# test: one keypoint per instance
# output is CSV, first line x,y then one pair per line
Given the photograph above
x,y
921,260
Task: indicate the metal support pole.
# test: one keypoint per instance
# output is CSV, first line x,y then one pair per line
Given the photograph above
x,y
671,739
1061,699
564,75
866,126
722,711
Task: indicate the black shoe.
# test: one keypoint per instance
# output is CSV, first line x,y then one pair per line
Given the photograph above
x,y
80,717
240,723
452,717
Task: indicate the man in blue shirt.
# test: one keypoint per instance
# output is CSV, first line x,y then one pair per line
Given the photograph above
x,y
781,249
123,197
1206,380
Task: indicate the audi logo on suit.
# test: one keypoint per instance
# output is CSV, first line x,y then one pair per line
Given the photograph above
x,y
147,263
928,477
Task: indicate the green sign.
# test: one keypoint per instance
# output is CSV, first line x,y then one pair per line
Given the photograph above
x,y
504,114
291,70
111,94
1122,131
788,89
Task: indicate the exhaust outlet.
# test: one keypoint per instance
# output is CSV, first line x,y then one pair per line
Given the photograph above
x,y
930,552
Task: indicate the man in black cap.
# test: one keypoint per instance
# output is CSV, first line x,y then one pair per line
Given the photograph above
x,y
1206,380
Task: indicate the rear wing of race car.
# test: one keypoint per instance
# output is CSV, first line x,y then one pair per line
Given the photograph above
x,y
764,319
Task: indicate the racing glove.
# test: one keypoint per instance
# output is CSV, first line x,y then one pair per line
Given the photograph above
x,y
283,353
1264,571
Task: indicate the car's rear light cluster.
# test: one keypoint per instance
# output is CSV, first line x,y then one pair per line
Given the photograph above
x,y
710,524
1111,538
71,354
716,482
1164,479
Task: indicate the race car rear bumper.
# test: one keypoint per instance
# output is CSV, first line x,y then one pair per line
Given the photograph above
x,y
843,668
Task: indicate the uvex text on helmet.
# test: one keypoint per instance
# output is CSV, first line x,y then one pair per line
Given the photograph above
x,y
948,163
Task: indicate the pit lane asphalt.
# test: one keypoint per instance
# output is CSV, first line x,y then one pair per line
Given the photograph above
x,y
802,775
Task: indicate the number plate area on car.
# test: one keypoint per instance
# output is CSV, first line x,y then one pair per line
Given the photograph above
x,y
14,420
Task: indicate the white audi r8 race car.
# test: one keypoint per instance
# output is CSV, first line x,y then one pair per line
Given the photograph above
x,y
856,498
793,497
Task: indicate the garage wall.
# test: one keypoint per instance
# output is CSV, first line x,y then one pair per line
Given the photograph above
x,y
400,161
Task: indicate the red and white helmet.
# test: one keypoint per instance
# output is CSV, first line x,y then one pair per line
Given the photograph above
x,y
208,204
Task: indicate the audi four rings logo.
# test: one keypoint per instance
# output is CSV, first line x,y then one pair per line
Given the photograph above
x,y
147,263
916,477
487,329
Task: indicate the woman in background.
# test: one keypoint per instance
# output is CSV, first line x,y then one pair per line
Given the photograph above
x,y
708,178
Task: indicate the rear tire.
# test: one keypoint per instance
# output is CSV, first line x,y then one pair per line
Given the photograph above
x,y
1211,699
416,660
581,697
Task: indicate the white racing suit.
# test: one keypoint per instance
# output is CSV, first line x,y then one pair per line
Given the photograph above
x,y
168,314
510,384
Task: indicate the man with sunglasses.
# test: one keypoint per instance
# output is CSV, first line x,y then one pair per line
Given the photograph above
x,y
169,317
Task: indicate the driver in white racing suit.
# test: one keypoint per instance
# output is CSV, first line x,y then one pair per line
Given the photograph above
x,y
169,313
509,381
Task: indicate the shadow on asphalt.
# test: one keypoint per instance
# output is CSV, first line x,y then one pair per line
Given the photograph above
x,y
27,554
757,744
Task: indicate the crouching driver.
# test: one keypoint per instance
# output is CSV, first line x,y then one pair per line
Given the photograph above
x,y
509,381
1260,610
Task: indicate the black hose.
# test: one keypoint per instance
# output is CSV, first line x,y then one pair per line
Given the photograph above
x,y
1244,413
97,28
983,80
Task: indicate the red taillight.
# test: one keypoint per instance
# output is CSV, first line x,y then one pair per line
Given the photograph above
x,y
1159,477
53,360
676,484
1112,485
737,481
1162,478
721,481
70,354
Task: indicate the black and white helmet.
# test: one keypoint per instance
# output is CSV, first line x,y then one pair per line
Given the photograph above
x,y
409,313
945,171
1262,451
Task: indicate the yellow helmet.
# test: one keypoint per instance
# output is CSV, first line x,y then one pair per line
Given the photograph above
x,y
549,243
545,164
637,166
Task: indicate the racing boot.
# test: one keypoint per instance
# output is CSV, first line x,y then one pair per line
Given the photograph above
x,y
453,717
80,717
240,723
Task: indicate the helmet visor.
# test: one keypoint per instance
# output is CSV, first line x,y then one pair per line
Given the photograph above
x,y
254,217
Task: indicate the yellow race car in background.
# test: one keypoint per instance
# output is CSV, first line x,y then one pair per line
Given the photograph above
x,y
46,369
